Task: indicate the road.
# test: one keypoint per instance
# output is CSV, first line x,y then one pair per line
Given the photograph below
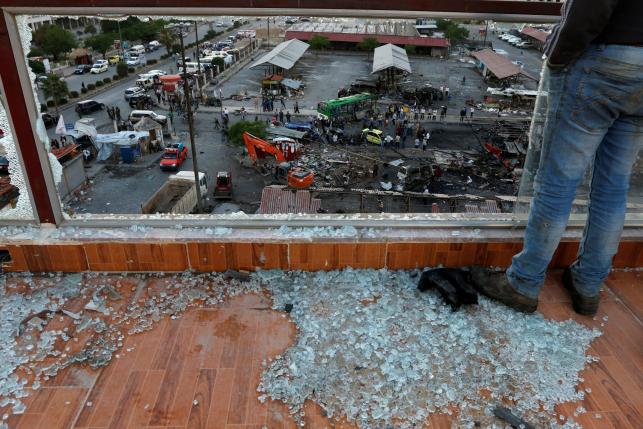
x,y
74,82
122,189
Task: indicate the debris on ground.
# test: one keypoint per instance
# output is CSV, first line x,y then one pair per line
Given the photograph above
x,y
415,356
370,347
31,312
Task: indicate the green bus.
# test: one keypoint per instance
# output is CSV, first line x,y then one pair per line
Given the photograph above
x,y
351,107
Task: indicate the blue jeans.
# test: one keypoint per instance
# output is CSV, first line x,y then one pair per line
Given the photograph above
x,y
594,118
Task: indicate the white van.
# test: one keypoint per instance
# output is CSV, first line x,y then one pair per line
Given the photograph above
x,y
192,67
137,50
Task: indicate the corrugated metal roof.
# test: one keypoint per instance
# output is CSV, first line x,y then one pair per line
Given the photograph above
x,y
535,33
497,64
389,55
284,55
382,38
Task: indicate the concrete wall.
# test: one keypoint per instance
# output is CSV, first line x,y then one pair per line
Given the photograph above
x,y
73,176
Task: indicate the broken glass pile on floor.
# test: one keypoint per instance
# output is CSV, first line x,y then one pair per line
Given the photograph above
x,y
36,337
374,349
370,347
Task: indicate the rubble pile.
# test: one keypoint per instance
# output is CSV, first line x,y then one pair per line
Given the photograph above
x,y
375,350
50,323
420,93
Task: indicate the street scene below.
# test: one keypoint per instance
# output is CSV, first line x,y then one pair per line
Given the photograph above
x,y
271,111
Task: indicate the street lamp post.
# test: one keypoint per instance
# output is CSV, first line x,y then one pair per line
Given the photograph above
x,y
188,107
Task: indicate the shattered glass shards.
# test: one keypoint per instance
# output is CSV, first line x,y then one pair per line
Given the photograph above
x,y
83,319
372,348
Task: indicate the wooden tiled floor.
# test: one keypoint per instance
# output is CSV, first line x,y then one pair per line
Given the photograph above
x,y
202,369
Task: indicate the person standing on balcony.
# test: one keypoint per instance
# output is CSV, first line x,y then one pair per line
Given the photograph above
x,y
594,72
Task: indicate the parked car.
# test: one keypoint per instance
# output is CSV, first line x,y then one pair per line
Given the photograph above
x,y
223,185
219,24
153,73
98,68
153,45
173,156
145,82
114,59
4,165
133,61
141,101
132,91
524,44
88,106
137,115
49,120
101,62
40,80
179,61
82,69
372,135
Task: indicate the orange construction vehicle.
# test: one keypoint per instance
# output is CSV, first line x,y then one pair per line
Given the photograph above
x,y
297,177
255,143
300,179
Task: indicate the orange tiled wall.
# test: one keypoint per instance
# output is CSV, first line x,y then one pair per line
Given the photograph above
x,y
219,256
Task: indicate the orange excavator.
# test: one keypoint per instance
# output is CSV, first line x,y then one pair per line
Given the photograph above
x,y
253,143
297,177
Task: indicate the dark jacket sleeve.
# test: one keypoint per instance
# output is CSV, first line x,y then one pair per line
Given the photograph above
x,y
582,21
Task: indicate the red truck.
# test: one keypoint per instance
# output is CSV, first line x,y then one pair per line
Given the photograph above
x,y
173,156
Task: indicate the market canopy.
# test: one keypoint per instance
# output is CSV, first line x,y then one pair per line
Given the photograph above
x,y
147,124
497,65
284,55
389,55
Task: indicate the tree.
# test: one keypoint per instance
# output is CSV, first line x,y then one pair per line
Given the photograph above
x,y
410,49
37,66
368,44
219,62
452,30
318,42
121,69
90,29
54,40
56,88
256,128
166,37
35,52
100,43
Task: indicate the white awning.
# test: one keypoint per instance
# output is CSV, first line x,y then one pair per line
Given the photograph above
x,y
285,54
389,55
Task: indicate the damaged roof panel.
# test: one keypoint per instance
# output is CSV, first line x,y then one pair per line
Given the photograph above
x,y
388,56
498,65
284,55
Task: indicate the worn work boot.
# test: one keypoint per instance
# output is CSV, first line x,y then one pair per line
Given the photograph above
x,y
583,304
496,286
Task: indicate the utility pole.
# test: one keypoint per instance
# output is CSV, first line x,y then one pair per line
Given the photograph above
x,y
118,22
198,60
188,107
268,31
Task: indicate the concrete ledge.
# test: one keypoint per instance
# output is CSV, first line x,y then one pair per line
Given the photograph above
x,y
140,249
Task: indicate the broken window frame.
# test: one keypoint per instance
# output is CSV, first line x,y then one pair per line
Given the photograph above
x,y
50,210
